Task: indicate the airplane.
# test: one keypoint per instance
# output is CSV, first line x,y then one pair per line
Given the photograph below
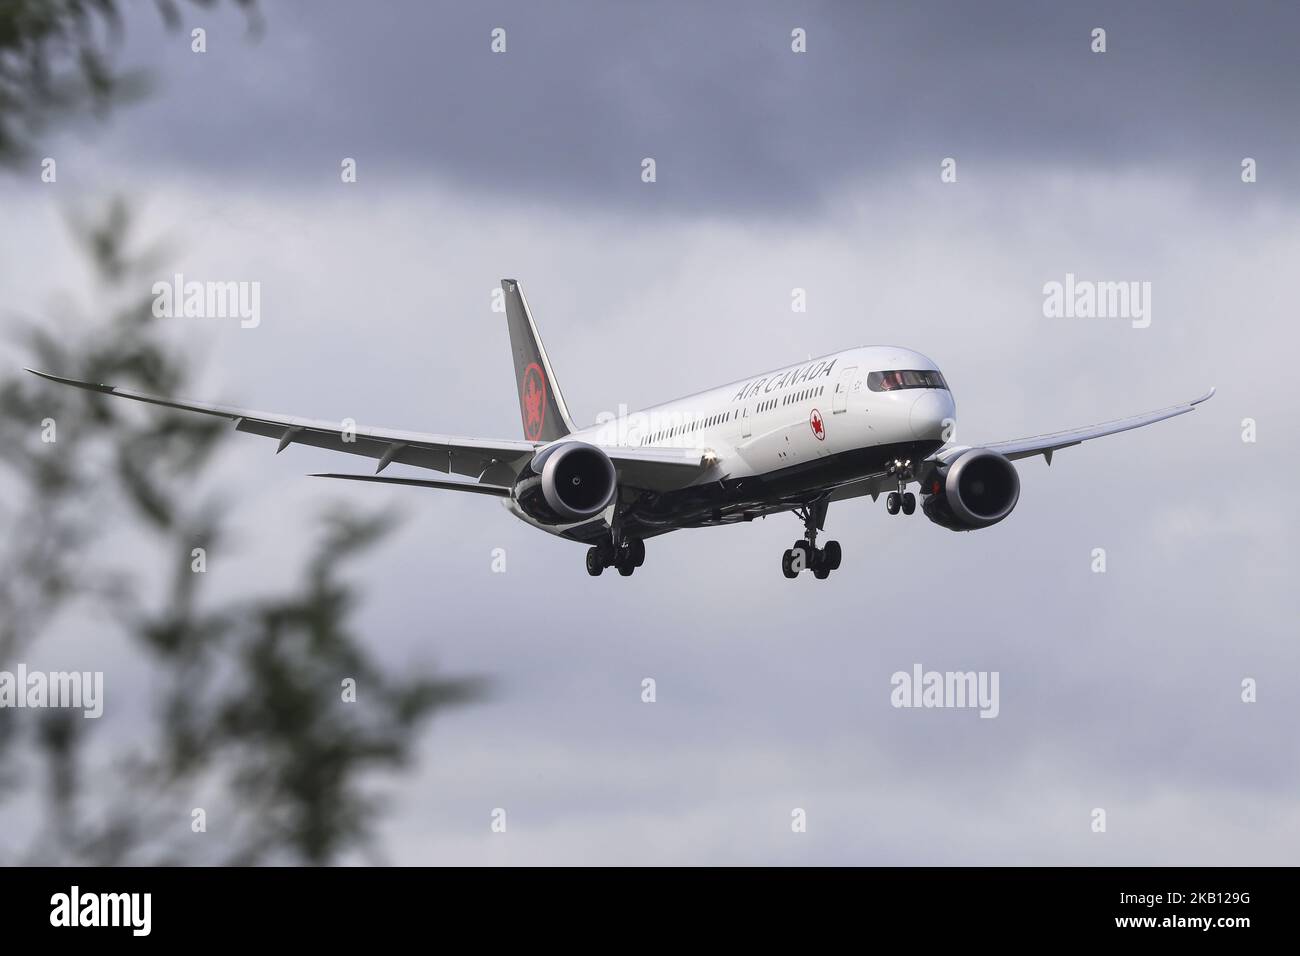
x,y
858,422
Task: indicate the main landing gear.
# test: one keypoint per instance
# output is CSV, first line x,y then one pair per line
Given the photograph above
x,y
618,550
805,555
627,558
900,500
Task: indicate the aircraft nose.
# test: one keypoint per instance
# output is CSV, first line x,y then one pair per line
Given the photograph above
x,y
931,414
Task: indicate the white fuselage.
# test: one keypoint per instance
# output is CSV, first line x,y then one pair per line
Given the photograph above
x,y
792,416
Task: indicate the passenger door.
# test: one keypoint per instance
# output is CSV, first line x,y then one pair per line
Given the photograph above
x,y
840,400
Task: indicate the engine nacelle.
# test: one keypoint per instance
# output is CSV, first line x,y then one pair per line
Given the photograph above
x,y
566,482
976,490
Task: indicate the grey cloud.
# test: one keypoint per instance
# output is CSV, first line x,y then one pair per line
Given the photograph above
x,y
712,92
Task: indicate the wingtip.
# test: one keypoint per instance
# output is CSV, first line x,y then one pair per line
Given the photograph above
x,y
49,377
76,383
1207,396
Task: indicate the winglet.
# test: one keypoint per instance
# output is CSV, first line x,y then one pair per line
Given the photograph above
x,y
1206,397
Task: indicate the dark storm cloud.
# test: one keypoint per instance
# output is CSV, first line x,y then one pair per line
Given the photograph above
x,y
714,93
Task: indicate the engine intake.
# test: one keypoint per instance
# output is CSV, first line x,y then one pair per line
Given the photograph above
x,y
978,489
566,482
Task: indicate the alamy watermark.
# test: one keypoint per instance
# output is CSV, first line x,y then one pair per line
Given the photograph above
x,y
938,689
133,911
178,298
1085,299
80,690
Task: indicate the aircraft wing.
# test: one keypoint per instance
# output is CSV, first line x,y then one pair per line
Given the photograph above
x,y
492,463
1046,444
474,457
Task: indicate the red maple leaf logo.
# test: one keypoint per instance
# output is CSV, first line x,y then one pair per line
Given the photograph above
x,y
534,391
818,427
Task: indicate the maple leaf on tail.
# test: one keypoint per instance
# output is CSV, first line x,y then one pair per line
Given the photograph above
x,y
533,406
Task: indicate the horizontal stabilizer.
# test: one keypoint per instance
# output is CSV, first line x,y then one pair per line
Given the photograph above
x,y
476,488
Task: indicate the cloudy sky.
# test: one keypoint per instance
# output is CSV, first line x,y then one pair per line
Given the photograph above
x,y
775,170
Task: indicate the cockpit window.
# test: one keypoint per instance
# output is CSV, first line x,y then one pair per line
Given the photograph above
x,y
906,378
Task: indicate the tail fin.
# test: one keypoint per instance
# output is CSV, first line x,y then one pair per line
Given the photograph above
x,y
541,405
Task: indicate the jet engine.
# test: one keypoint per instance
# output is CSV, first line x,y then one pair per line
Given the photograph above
x,y
566,482
977,489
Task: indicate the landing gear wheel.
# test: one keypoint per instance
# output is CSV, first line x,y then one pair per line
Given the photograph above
x,y
787,564
626,569
636,552
805,555
909,503
595,562
893,502
832,555
802,555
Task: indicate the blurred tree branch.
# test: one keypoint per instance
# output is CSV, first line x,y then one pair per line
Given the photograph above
x,y
252,695
250,722
56,63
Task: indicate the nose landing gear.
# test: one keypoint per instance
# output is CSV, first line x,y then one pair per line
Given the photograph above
x,y
805,555
901,500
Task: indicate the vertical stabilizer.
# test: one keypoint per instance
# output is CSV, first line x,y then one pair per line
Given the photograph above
x,y
541,405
